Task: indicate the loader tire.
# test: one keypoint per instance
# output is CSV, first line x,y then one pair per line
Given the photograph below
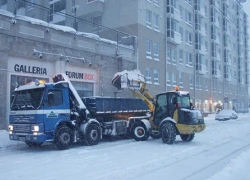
x,y
168,133
140,132
64,138
92,135
187,137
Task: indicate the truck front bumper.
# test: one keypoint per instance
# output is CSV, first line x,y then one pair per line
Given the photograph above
x,y
28,138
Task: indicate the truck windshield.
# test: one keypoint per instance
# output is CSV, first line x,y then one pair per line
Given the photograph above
x,y
184,101
27,99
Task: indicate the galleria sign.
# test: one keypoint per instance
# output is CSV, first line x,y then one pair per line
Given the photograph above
x,y
30,69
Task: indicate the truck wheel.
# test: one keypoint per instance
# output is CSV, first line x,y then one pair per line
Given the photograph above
x,y
63,138
140,132
155,135
168,133
34,144
92,135
187,137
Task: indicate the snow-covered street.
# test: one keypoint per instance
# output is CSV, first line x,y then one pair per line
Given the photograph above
x,y
221,151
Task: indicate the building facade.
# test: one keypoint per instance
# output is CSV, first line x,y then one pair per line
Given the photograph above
x,y
199,45
33,49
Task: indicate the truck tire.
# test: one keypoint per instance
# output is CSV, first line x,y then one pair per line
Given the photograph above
x,y
64,138
155,135
187,137
33,144
168,132
140,132
92,134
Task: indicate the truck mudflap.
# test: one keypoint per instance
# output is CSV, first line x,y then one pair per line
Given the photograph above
x,y
28,138
190,129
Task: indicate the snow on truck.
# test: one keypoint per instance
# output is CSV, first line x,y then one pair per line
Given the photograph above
x,y
54,112
171,112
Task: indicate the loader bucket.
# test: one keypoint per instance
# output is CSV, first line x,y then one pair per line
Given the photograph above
x,y
120,81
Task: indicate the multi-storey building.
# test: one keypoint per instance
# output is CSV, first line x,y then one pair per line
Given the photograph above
x,y
199,45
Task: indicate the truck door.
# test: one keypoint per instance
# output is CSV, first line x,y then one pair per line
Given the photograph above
x,y
56,108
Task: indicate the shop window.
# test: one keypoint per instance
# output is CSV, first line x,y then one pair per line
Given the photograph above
x,y
84,89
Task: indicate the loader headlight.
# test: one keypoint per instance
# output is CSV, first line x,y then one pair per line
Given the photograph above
x,y
11,128
35,128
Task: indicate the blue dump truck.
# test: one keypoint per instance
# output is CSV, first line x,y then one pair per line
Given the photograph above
x,y
54,112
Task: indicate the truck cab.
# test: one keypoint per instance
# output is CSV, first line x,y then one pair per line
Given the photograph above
x,y
36,110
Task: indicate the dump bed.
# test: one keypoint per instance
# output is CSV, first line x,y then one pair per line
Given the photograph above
x,y
104,105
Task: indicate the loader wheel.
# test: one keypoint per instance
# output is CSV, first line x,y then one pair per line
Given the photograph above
x,y
140,132
33,144
168,133
155,135
63,138
92,135
187,137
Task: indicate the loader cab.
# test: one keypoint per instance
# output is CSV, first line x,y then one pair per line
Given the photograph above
x,y
167,103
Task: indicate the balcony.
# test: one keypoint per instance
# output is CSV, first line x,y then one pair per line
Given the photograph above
x,y
175,37
216,74
215,22
175,14
228,78
200,11
201,49
201,69
217,40
93,8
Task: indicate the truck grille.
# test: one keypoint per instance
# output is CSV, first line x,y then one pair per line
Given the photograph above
x,y
21,128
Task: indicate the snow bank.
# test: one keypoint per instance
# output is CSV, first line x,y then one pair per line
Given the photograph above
x,y
238,168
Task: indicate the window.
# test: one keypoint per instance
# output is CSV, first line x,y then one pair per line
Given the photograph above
x,y
84,89
181,32
174,56
156,21
58,6
180,79
156,76
174,79
156,51
168,79
189,60
148,75
55,98
188,17
180,56
191,82
181,11
148,18
22,80
148,49
168,55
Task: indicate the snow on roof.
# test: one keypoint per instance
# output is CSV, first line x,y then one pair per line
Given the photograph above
x,y
29,86
89,35
32,20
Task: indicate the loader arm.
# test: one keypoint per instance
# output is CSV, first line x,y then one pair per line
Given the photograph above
x,y
135,82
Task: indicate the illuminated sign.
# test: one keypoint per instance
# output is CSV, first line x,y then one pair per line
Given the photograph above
x,y
76,75
30,69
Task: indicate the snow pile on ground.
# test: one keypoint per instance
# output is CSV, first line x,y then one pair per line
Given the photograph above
x,y
238,169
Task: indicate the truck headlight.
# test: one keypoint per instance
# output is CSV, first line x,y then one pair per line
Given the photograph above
x,y
35,128
11,127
